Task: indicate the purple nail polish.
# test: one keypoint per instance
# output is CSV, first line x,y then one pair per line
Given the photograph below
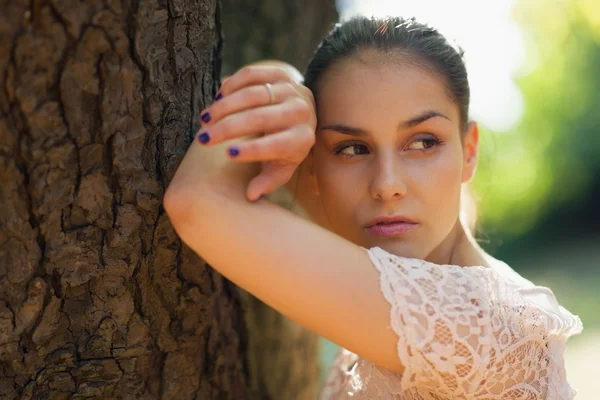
x,y
203,138
233,151
219,95
205,117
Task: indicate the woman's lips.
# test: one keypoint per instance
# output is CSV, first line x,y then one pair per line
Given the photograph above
x,y
393,229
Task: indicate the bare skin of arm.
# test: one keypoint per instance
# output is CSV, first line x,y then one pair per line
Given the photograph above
x,y
315,277
307,273
468,251
304,271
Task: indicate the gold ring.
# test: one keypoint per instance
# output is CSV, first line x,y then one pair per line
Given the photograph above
x,y
270,90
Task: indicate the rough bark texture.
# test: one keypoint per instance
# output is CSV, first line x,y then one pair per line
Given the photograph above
x,y
283,355
98,297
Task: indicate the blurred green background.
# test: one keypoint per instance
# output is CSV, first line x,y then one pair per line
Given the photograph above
x,y
538,181
541,183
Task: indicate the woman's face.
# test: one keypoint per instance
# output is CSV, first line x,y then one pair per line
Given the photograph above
x,y
388,143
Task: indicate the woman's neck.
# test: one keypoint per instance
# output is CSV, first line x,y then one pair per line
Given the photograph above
x,y
460,248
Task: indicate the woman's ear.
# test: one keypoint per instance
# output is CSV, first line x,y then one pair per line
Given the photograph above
x,y
470,151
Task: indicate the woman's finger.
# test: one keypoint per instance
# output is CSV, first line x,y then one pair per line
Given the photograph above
x,y
271,118
247,98
253,75
290,145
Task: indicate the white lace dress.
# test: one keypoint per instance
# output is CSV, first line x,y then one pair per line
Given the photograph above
x,y
463,333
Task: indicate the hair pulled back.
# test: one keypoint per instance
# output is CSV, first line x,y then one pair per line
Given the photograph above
x,y
404,39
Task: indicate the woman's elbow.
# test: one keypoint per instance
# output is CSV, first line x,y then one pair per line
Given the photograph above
x,y
178,205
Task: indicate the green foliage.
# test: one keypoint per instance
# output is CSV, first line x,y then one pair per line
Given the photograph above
x,y
553,155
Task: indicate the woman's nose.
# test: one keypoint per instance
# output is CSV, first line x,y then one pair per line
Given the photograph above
x,y
388,182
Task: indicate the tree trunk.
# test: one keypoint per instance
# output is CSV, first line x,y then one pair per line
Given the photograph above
x,y
284,357
287,30
98,298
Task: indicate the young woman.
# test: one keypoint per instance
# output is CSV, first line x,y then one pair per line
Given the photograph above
x,y
390,272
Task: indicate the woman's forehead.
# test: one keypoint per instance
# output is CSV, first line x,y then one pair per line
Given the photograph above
x,y
382,86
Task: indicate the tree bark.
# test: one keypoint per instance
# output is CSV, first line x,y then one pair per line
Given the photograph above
x,y
287,30
99,100
283,355
98,297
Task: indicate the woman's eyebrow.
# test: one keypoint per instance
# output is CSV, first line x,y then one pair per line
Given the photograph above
x,y
354,131
348,130
419,119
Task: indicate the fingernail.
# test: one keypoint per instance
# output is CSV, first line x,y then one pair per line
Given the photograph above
x,y
219,95
233,151
203,138
205,117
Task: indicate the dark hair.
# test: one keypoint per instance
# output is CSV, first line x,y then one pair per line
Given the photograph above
x,y
413,42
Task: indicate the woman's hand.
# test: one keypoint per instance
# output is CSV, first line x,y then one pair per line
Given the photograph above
x,y
283,126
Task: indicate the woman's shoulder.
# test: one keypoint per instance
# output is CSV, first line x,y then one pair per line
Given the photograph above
x,y
488,262
497,274
512,277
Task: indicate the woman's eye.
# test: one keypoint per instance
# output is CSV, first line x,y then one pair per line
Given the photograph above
x,y
352,150
424,144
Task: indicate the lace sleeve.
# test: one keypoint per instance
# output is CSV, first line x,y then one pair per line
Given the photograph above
x,y
465,333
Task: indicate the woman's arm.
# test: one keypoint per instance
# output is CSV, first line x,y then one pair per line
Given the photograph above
x,y
444,320
307,273
313,276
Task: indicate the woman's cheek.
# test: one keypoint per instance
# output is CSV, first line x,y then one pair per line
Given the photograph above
x,y
338,190
441,188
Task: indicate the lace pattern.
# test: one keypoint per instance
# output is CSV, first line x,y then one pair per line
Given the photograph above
x,y
463,333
